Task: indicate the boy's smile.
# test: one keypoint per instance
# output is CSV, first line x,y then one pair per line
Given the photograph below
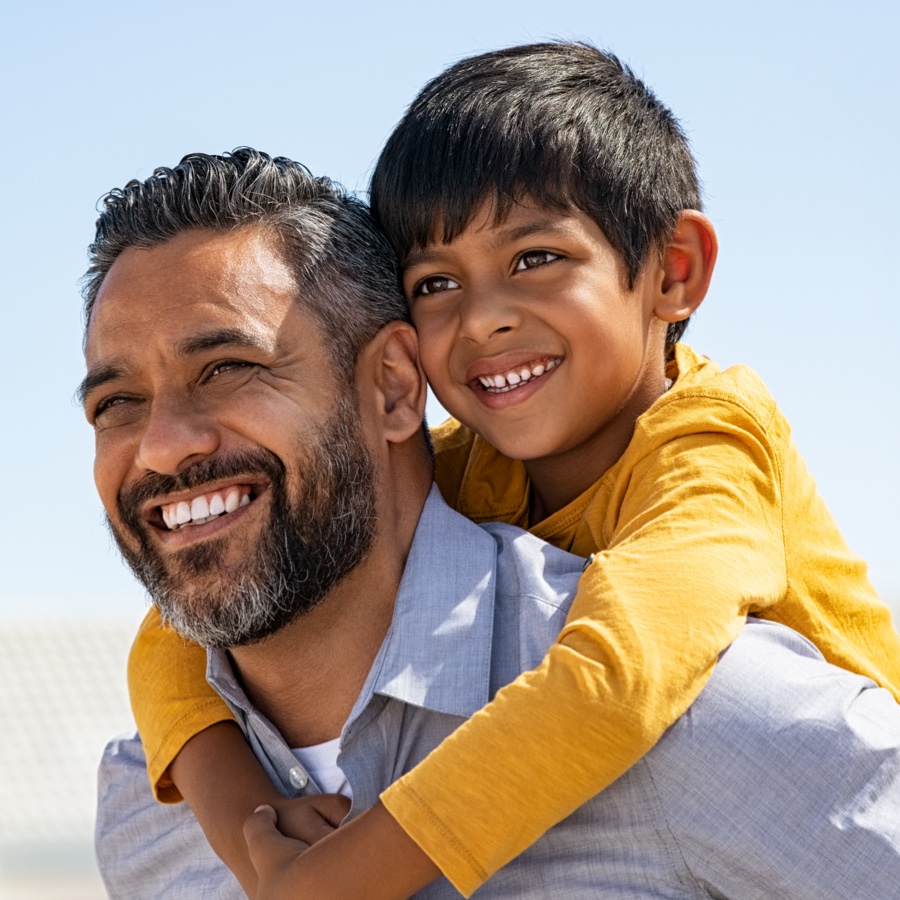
x,y
531,336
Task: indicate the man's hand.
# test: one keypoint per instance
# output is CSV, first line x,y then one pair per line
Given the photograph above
x,y
370,857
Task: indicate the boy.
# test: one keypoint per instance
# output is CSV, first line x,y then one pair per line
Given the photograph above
x,y
546,210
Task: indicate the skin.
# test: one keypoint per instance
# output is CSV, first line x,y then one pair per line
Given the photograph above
x,y
196,347
545,285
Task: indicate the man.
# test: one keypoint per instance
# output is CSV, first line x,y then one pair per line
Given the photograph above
x,y
245,340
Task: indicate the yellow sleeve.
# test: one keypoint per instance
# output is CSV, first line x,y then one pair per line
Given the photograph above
x,y
170,698
694,540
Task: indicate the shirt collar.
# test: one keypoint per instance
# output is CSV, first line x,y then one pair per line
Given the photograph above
x,y
437,653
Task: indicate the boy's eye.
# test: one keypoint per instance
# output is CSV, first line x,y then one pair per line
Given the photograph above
x,y
531,259
435,284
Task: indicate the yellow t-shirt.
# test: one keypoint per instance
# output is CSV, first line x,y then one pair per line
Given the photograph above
x,y
708,515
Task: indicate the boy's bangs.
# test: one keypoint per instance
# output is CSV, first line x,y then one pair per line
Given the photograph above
x,y
418,203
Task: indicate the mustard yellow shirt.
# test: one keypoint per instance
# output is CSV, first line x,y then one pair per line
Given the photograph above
x,y
709,514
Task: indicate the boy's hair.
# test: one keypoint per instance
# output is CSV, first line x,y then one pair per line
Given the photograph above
x,y
561,124
346,272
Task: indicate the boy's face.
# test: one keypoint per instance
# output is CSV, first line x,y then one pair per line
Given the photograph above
x,y
531,337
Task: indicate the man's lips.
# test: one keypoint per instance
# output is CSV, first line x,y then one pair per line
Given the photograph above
x,y
504,375
201,507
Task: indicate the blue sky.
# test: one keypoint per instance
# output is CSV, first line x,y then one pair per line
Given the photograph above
x,y
791,109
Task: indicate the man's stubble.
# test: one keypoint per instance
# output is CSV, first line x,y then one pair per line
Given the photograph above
x,y
311,541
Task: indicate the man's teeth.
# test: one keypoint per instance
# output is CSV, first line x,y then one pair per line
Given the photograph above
x,y
203,509
515,377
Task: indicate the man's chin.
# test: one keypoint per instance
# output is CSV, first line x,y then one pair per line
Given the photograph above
x,y
214,619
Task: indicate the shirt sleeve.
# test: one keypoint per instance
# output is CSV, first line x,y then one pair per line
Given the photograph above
x,y
783,779
170,698
693,537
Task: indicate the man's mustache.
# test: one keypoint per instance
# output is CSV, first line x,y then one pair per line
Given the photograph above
x,y
244,465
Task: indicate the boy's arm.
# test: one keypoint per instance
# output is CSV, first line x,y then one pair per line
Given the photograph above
x,y
170,698
696,540
197,752
223,782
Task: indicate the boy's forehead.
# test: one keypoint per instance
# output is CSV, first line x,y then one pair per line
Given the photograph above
x,y
496,224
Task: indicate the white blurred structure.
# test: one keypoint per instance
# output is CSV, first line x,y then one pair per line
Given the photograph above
x,y
62,697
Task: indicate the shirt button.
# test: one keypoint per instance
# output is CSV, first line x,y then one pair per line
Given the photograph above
x,y
298,778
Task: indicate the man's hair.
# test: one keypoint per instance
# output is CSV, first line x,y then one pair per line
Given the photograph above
x,y
561,124
346,271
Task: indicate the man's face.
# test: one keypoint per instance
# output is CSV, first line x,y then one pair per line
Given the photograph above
x,y
229,456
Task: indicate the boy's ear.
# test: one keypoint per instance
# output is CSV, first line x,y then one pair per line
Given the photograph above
x,y
389,371
687,263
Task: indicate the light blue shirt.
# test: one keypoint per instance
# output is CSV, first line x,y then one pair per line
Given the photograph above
x,y
782,780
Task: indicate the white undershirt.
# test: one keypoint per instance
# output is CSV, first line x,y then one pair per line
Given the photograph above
x,y
320,760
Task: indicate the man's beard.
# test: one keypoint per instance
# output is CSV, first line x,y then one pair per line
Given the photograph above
x,y
311,541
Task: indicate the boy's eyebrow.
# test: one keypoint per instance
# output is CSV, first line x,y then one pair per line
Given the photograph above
x,y
190,346
429,254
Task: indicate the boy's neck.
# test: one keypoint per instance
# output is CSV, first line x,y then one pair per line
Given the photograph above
x,y
555,481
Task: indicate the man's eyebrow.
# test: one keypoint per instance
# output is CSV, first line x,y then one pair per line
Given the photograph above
x,y
97,378
222,337
200,343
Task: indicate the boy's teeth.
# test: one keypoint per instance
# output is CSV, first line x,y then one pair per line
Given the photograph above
x,y
515,377
203,509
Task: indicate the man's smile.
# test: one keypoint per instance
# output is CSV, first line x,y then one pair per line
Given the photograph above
x,y
201,507
204,508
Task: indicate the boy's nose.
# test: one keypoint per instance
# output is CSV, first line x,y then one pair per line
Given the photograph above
x,y
486,313
177,433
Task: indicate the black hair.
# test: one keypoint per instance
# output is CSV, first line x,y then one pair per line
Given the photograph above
x,y
561,124
346,271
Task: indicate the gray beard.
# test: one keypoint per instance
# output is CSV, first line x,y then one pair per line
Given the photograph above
x,y
313,539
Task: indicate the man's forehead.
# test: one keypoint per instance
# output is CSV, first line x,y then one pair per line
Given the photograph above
x,y
199,281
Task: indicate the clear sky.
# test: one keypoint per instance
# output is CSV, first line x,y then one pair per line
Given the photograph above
x,y
791,108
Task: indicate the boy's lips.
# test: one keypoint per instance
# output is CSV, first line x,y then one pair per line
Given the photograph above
x,y
508,373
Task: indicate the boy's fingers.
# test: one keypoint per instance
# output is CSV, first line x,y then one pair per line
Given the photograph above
x,y
311,818
333,808
267,846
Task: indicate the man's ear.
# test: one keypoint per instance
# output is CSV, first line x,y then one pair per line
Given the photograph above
x,y
687,262
389,369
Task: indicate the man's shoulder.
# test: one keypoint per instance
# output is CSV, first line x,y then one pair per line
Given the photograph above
x,y
530,568
786,759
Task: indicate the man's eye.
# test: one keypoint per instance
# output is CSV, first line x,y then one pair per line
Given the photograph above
x,y
229,365
109,404
435,284
531,259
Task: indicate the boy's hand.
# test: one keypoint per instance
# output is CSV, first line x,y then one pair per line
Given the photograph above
x,y
370,857
308,819
273,854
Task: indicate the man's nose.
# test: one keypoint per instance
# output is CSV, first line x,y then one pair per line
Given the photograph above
x,y
177,433
488,311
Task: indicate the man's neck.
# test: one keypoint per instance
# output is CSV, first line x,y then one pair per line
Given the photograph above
x,y
306,677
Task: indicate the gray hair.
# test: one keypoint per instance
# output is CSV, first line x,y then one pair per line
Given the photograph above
x,y
347,274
